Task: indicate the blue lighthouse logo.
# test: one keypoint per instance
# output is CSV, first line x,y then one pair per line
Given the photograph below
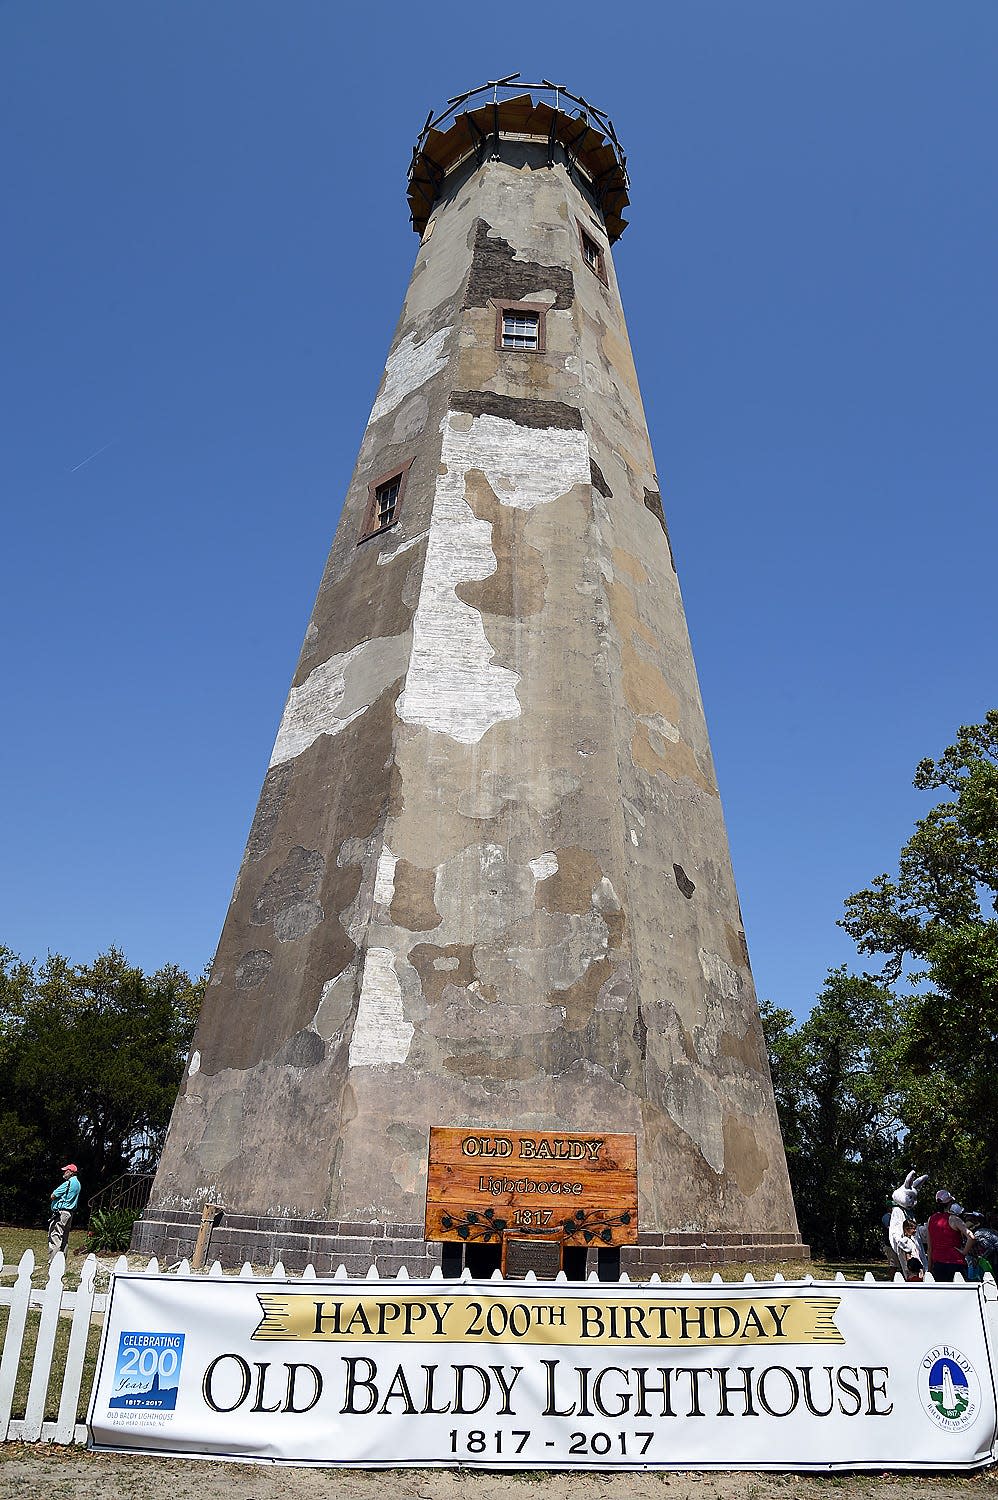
x,y
949,1388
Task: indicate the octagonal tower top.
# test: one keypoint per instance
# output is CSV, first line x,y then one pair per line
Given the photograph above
x,y
575,131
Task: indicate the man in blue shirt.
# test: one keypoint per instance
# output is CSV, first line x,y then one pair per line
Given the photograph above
x,y
64,1199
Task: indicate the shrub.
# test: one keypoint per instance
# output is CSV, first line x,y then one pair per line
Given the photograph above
x,y
111,1230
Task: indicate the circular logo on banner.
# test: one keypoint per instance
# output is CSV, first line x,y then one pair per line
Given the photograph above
x,y
949,1388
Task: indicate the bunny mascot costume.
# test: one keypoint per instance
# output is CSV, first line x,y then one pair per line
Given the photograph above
x,y
903,1199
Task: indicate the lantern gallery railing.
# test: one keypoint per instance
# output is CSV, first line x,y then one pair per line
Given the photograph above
x,y
472,124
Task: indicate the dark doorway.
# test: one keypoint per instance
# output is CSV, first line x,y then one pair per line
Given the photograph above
x,y
480,1260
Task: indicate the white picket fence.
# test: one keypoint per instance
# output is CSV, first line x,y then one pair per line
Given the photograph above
x,y
53,1301
86,1306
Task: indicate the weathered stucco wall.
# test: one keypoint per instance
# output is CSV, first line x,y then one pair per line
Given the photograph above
x,y
488,880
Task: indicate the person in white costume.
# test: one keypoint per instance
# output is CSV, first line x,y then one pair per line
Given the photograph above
x,y
903,1198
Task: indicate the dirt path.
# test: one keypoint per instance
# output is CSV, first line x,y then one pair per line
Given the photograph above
x,y
30,1470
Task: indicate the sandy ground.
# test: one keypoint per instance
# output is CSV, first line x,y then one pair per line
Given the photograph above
x,y
67,1473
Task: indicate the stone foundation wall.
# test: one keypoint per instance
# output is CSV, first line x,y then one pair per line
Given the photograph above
x,y
326,1245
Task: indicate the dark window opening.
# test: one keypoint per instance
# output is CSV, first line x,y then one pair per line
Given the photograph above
x,y
480,1260
592,254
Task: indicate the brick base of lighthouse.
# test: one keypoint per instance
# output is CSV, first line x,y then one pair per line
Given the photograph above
x,y
326,1245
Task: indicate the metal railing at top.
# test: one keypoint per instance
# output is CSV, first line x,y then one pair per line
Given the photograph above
x,y
498,88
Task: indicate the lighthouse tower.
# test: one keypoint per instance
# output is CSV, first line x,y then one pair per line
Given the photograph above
x,y
488,883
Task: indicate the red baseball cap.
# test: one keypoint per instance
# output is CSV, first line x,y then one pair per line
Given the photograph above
x,y
69,1167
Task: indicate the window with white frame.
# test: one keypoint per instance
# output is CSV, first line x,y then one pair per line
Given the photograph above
x,y
521,329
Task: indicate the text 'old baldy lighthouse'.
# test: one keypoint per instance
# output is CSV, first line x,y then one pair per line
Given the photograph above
x,y
487,886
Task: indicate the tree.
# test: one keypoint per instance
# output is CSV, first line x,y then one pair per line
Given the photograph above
x,y
936,929
835,1081
91,1057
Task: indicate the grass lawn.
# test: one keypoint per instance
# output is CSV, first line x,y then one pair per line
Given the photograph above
x,y
14,1242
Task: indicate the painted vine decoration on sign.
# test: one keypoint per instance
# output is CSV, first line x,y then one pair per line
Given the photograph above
x,y
489,1225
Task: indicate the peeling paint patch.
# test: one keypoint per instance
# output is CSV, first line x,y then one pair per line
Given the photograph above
x,y
381,1034
721,975
412,903
544,866
297,921
253,968
526,466
597,481
653,502
385,557
737,946
194,1066
337,692
518,587
646,690
674,761
384,880
628,563
303,1050
335,1003
570,886
222,1138
496,271
454,685
410,366
744,1158
524,412
664,727
288,897
452,965
276,785
624,612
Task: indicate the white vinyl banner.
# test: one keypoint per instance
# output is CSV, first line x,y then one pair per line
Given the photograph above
x,y
763,1375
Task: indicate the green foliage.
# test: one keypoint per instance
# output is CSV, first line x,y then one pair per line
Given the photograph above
x,y
91,1056
834,1078
935,928
110,1230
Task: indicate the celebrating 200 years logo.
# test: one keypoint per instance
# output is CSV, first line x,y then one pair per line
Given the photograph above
x,y
949,1388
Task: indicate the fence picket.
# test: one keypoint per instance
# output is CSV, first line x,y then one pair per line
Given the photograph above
x,y
65,1426
41,1367
14,1338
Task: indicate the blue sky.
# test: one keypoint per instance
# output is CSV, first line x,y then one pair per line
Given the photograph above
x,y
205,252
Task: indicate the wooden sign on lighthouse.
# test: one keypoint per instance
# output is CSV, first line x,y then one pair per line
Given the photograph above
x,y
488,886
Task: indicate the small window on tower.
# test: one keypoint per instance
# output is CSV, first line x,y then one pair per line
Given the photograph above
x,y
520,325
592,254
520,330
384,500
387,497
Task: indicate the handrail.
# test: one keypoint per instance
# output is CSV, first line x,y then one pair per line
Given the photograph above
x,y
512,84
130,1190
